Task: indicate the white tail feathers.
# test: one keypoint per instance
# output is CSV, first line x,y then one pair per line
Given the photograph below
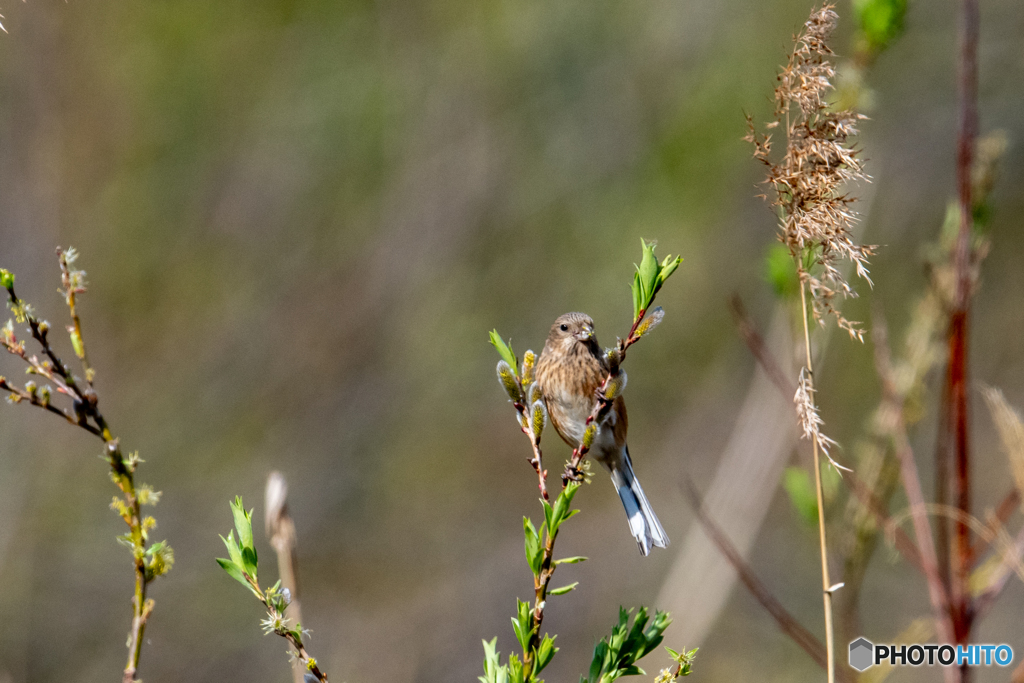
x,y
643,523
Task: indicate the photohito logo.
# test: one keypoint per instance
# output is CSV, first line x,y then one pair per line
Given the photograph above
x,y
864,654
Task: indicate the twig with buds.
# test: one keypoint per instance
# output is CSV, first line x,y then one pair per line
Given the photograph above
x,y
150,561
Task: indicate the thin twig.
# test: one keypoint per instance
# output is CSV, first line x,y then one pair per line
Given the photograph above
x,y
755,342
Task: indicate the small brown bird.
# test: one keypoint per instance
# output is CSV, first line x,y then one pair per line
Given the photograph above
x,y
569,372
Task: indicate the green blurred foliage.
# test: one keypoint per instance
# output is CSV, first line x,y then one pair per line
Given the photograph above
x,y
880,21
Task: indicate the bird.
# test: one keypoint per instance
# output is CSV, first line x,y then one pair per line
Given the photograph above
x,y
569,372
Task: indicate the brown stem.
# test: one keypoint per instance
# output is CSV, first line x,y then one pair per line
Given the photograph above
x,y
944,623
957,375
755,342
303,656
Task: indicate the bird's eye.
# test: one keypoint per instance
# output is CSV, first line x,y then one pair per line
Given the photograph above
x,y
565,328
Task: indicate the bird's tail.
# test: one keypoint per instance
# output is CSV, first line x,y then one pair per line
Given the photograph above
x,y
643,523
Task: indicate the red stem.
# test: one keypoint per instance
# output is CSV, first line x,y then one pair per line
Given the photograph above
x,y
957,375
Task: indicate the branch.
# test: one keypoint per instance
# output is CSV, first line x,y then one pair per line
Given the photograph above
x,y
149,562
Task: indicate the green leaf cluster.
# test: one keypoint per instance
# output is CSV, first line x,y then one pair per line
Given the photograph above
x,y
554,515
649,277
616,655
515,670
880,21
242,563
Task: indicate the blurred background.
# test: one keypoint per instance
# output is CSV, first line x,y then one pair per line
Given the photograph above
x,y
301,218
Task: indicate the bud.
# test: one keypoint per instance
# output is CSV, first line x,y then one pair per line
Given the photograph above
x,y
613,358
44,396
529,361
6,278
30,388
589,434
533,393
539,418
616,385
651,321
44,327
76,342
508,380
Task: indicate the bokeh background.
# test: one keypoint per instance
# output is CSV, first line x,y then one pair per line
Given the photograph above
x,y
300,219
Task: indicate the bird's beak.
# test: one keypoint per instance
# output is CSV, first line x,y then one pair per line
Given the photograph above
x,y
586,334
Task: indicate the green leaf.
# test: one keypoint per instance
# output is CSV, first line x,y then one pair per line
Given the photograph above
x,y
571,560
648,272
249,562
803,497
233,570
616,655
549,516
545,653
533,547
243,523
516,672
564,589
233,551
560,512
637,295
505,351
494,672
522,624
668,266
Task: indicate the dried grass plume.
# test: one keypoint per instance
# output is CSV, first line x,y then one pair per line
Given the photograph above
x,y
808,181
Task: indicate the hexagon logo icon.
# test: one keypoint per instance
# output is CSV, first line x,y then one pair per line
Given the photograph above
x,y
862,654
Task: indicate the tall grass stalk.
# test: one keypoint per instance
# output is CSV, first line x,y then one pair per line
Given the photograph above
x,y
826,581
